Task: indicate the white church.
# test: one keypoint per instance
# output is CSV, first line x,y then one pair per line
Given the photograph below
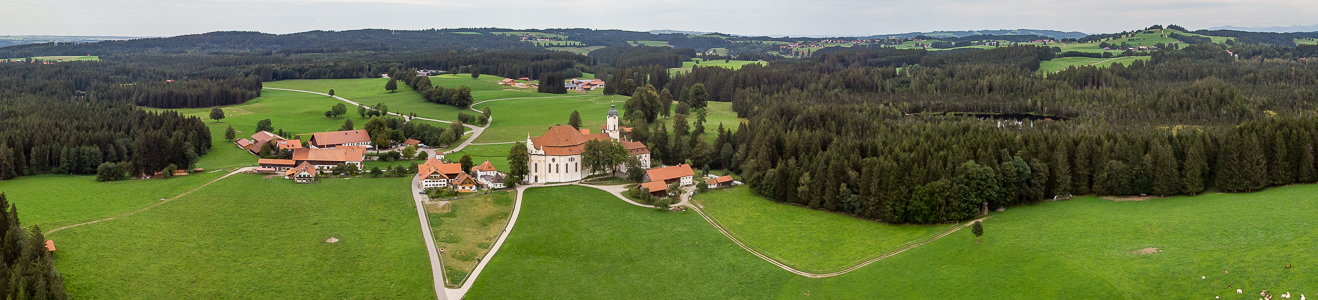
x,y
556,156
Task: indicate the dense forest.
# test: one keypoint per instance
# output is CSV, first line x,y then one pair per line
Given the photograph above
x,y
849,131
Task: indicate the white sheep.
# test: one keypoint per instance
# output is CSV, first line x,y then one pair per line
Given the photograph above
x,y
1238,291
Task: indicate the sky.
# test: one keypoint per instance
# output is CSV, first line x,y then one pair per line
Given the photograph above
x,y
744,17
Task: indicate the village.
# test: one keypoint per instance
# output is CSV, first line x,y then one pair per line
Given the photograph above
x,y
554,157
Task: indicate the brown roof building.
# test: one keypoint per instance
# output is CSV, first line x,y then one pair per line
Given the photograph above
x,y
328,158
679,173
340,138
724,181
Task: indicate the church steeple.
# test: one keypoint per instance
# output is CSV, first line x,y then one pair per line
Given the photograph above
x,y
611,126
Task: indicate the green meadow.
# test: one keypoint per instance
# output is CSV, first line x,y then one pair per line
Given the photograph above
x,y
250,237
497,154
513,121
806,239
1090,248
370,91
1058,64
53,201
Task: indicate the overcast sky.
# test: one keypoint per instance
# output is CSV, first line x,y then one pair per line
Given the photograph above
x,y
746,17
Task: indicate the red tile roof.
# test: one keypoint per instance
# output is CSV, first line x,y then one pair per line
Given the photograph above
x,y
276,162
289,144
50,245
412,142
655,186
674,172
714,181
485,167
339,137
305,166
340,154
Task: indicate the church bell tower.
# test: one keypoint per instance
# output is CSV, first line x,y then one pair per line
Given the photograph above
x,y
612,124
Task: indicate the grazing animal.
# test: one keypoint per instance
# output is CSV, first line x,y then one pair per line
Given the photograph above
x,y
1288,266
1238,291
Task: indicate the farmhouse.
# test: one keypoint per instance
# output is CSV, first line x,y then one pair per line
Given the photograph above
x,y
464,183
435,174
556,155
325,159
303,173
259,140
277,165
679,173
719,182
341,138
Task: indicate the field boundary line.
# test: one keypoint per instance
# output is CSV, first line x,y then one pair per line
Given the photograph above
x,y
152,205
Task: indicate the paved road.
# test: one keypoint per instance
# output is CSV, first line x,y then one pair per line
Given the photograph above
x,y
436,266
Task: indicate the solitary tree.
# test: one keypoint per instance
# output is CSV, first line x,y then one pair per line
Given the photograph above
x,y
331,93
230,134
392,85
575,120
475,72
978,229
347,125
409,152
217,114
361,111
699,97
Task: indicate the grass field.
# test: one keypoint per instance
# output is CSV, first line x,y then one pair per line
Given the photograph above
x,y
650,43
53,201
1079,248
807,239
1058,64
513,121
554,43
577,50
732,64
370,91
229,241
58,58
468,231
1306,41
581,243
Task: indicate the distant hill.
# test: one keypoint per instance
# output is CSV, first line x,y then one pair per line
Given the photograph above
x,y
1292,28
670,31
14,40
956,34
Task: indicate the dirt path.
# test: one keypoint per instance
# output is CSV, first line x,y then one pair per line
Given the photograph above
x,y
152,205
909,246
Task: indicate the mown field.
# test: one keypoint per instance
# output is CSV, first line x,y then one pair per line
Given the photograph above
x,y
730,64
370,92
53,201
1058,64
497,154
468,230
58,58
515,119
804,238
249,237
1086,248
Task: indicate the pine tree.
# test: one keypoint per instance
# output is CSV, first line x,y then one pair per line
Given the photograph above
x,y
978,230
1303,157
1281,164
1195,164
1256,164
230,134
574,120
1165,176
1061,168
1081,171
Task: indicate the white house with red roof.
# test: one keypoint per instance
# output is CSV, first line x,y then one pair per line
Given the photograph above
x,y
556,155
